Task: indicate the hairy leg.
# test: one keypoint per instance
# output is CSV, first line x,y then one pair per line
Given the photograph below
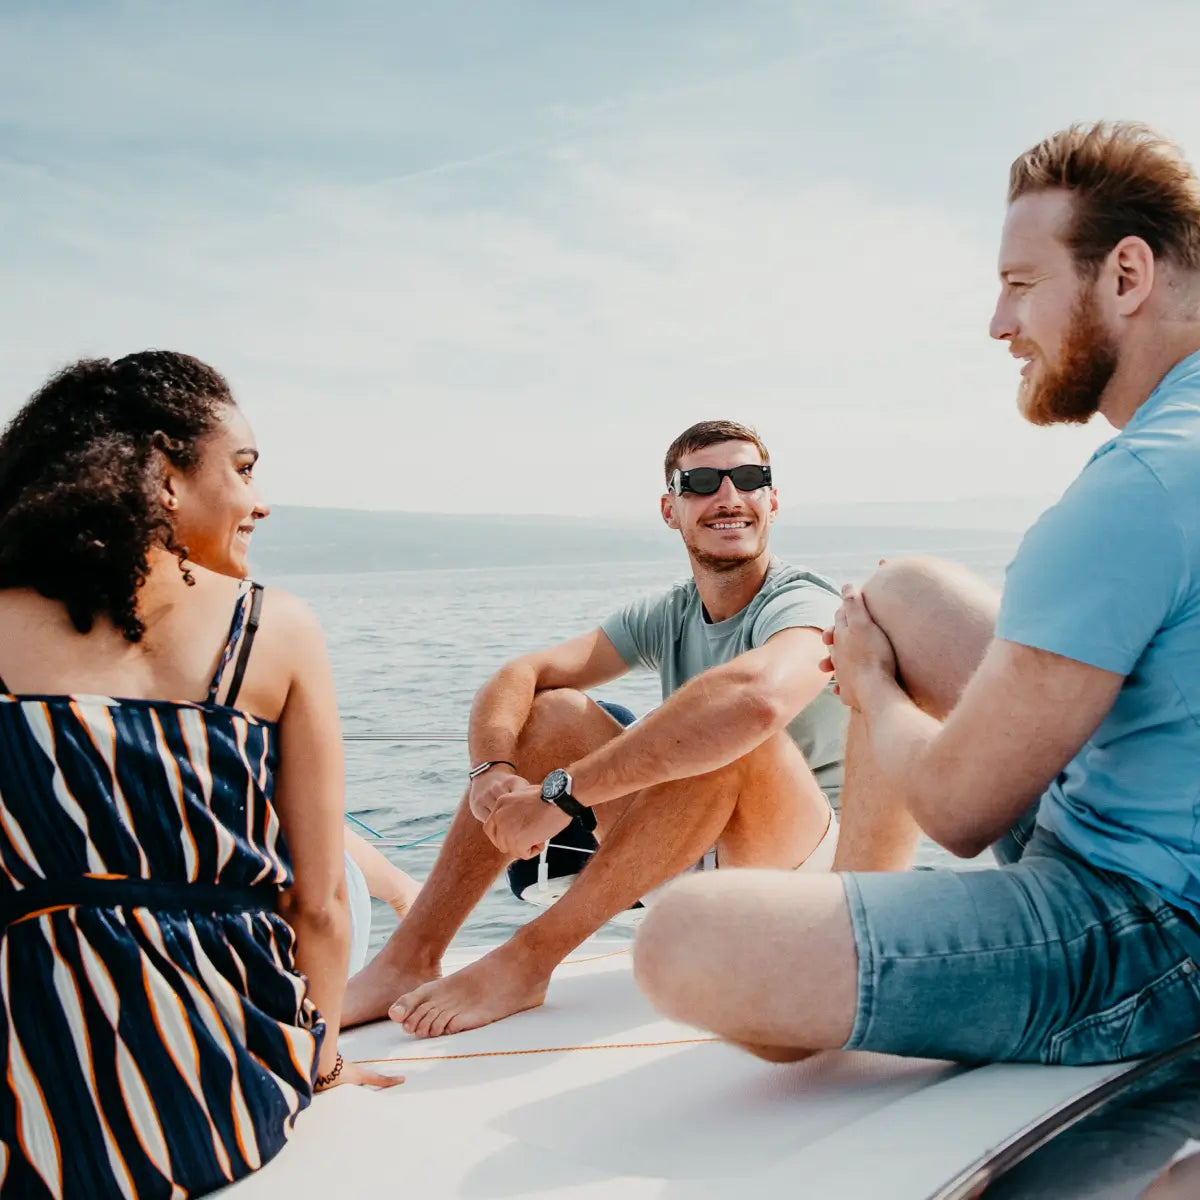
x,y
765,809
563,725
765,959
939,618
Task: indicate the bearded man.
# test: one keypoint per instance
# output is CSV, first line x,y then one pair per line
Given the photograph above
x,y
738,767
1059,724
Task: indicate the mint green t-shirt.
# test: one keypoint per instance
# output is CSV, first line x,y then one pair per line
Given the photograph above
x,y
670,633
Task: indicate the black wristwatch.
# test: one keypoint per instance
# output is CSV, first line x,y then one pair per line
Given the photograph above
x,y
556,789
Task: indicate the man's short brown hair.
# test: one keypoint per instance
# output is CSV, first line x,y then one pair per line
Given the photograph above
x,y
1127,180
710,433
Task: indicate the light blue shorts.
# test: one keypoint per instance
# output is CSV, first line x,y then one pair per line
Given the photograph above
x,y
1044,959
360,914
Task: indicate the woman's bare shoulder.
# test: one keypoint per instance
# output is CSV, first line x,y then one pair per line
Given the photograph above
x,y
289,635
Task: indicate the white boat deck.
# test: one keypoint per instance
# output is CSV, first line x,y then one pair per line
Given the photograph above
x,y
595,1095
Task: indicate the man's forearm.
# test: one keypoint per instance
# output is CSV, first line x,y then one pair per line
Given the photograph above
x,y
701,728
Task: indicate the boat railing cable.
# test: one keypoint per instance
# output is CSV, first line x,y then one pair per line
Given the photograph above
x,y
431,736
380,839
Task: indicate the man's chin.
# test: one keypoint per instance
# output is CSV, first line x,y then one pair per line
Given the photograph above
x,y
1037,411
727,560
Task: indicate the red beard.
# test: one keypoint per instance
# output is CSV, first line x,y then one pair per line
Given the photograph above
x,y
1070,393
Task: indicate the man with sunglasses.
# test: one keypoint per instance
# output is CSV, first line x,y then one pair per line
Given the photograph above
x,y
736,768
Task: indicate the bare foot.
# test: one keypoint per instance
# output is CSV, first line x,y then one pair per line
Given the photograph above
x,y
370,993
505,981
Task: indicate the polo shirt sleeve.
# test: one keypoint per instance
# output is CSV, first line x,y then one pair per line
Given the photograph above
x,y
1099,574
637,631
798,604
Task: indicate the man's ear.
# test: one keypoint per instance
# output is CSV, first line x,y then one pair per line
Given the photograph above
x,y
1132,271
667,508
774,509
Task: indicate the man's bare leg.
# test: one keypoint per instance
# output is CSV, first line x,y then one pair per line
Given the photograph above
x,y
939,618
763,810
563,725
765,959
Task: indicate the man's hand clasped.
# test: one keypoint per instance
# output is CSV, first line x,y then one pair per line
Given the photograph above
x,y
521,822
859,651
487,789
514,816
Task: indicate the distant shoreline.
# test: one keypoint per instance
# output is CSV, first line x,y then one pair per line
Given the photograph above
x,y
315,541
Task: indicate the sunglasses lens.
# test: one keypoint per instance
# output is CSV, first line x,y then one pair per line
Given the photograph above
x,y
749,478
704,480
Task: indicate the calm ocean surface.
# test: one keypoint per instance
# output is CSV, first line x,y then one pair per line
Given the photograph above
x,y
410,648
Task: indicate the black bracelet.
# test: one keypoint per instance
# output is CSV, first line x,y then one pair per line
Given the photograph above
x,y
475,772
323,1081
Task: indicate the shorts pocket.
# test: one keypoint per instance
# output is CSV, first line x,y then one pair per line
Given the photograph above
x,y
1159,1016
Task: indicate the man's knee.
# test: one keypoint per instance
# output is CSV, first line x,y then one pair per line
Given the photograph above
x,y
901,590
668,959
563,725
940,618
553,713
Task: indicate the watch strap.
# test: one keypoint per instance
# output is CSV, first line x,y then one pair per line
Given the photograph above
x,y
580,812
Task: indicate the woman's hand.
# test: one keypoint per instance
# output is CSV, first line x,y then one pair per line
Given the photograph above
x,y
360,1076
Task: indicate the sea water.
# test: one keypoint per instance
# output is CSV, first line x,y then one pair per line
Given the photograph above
x,y
410,648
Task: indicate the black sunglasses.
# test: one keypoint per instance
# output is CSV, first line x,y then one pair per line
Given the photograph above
x,y
704,481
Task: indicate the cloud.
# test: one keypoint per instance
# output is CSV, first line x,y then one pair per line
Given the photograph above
x,y
474,286
550,361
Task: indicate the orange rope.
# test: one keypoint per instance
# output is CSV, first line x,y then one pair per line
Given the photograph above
x,y
541,1050
570,962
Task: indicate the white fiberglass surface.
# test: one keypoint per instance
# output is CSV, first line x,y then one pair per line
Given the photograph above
x,y
593,1092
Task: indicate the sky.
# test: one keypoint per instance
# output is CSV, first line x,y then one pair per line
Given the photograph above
x,y
493,257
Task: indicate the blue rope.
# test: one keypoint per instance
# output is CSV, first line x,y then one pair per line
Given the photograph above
x,y
420,841
372,832
406,846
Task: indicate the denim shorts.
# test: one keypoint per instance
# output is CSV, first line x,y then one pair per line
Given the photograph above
x,y
1043,959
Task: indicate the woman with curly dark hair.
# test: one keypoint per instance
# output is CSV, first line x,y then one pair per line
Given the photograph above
x,y
173,931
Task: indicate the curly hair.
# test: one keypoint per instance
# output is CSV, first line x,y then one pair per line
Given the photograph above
x,y
81,473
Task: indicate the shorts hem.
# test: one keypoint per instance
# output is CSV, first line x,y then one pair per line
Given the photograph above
x,y
866,963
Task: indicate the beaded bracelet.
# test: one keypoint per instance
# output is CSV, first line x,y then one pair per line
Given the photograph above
x,y
324,1081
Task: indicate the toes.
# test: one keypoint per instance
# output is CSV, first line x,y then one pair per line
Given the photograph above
x,y
441,1023
401,1008
460,1023
422,1017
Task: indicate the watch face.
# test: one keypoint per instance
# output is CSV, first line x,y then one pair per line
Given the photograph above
x,y
555,784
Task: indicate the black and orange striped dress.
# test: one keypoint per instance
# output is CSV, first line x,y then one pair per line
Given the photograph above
x,y
155,1038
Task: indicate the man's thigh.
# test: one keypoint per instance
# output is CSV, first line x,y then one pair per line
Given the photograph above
x,y
1046,961
781,812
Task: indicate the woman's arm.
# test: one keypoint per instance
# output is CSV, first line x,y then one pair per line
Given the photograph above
x,y
309,798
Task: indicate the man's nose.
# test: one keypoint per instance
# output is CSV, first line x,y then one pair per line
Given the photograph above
x,y
727,493
1003,325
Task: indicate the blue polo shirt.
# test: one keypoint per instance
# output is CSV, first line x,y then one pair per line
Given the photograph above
x,y
1111,576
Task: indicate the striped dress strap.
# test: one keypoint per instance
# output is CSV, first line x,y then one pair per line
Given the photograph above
x,y
252,620
248,594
